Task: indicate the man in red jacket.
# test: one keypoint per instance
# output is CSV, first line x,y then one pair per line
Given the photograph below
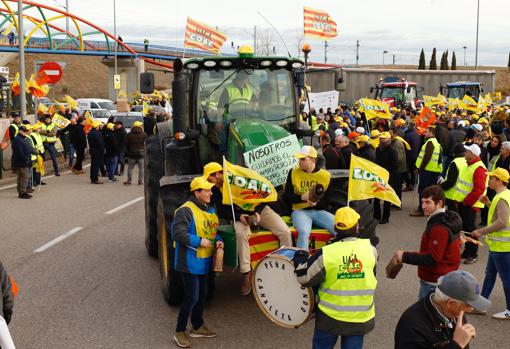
x,y
440,243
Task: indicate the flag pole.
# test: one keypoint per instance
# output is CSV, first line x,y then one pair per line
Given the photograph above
x,y
225,177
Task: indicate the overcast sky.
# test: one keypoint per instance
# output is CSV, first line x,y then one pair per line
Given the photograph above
x,y
401,27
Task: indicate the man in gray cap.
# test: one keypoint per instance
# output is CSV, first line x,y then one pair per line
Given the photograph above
x,y
438,321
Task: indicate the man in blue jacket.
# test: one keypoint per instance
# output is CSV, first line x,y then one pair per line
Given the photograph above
x,y
194,231
21,163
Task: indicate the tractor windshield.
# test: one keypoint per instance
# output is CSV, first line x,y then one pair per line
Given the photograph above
x,y
399,94
461,91
228,95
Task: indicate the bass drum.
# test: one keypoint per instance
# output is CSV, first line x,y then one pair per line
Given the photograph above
x,y
278,293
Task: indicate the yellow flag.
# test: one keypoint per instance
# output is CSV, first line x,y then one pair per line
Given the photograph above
x,y
39,167
60,121
374,109
122,94
146,108
468,103
247,187
71,102
431,101
497,96
453,103
368,180
42,109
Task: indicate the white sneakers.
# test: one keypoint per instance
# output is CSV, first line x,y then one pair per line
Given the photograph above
x,y
504,315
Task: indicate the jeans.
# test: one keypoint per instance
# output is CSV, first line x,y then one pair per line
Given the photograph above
x,y
426,179
121,163
50,148
325,340
195,292
71,154
36,177
304,219
425,289
131,165
111,164
498,263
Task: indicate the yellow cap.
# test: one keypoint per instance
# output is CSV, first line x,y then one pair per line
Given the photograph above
x,y
475,116
363,138
211,168
200,183
36,126
306,151
399,122
137,124
501,174
96,123
385,135
28,127
483,121
346,218
110,126
375,133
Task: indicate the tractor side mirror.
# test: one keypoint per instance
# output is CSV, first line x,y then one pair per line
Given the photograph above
x,y
146,83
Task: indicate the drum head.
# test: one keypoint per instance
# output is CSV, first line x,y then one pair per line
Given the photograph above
x,y
278,293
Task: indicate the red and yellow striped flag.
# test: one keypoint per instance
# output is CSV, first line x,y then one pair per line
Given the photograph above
x,y
203,37
319,24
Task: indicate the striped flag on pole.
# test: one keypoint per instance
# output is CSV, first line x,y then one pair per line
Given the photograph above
x,y
319,24
203,37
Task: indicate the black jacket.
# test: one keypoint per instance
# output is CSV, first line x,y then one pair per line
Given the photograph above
x,y
422,327
135,143
414,139
96,143
386,158
111,144
6,296
333,157
20,153
455,137
121,136
77,136
367,152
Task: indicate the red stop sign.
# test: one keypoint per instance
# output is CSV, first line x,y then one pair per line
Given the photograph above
x,y
53,70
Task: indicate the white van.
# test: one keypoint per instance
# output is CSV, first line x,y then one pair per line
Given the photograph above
x,y
95,104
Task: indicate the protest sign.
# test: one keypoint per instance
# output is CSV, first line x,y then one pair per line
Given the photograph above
x,y
328,99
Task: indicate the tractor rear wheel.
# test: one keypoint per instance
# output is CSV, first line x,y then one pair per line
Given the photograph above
x,y
153,172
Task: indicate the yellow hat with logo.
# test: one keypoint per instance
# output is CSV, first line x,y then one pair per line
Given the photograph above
x,y
211,168
375,133
346,218
96,123
385,135
501,174
36,126
363,138
200,183
110,126
306,151
483,121
137,124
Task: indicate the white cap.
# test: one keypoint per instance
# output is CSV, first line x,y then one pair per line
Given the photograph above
x,y
474,148
477,127
339,132
462,123
360,130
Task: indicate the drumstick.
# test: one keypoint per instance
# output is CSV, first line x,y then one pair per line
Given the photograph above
x,y
465,238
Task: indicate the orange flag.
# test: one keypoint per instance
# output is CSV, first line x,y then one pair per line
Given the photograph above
x,y
319,24
425,119
201,36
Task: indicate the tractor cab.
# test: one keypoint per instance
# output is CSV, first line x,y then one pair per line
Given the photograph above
x,y
462,88
396,92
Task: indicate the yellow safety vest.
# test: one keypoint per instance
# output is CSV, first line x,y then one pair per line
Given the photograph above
x,y
33,157
16,128
434,164
38,141
347,293
464,184
206,225
302,182
239,95
499,241
48,128
492,163
315,125
461,164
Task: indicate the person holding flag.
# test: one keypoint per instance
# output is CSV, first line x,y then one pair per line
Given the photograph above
x,y
307,191
245,216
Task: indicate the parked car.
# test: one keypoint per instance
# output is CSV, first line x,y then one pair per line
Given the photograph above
x,y
139,108
128,118
95,104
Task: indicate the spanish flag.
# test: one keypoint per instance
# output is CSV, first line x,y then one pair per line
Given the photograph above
x,y
201,36
245,187
319,24
368,180
374,109
468,103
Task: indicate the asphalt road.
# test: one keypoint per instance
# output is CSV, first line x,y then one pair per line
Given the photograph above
x,y
97,288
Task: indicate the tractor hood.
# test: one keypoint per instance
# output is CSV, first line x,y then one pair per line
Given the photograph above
x,y
254,133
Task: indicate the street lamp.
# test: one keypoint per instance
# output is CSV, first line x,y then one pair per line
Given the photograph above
x,y
465,48
306,49
384,52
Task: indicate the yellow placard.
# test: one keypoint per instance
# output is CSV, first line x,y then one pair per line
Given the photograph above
x,y
374,109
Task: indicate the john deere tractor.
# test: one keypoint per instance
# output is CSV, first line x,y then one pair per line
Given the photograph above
x,y
211,121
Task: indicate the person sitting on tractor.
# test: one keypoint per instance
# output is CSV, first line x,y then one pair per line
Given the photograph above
x,y
262,215
307,191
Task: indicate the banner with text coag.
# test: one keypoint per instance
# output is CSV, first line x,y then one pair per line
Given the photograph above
x,y
201,36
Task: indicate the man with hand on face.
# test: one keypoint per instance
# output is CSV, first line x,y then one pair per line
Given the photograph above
x,y
194,231
307,191
261,214
438,321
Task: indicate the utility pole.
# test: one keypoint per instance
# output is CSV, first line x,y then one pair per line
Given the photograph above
x,y
115,44
21,39
255,40
357,52
325,51
393,59
477,23
464,47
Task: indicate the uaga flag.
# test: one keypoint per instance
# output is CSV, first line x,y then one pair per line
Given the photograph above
x,y
247,187
374,109
468,103
319,24
368,180
203,37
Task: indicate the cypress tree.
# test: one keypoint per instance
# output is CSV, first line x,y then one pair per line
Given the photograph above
x,y
454,61
446,61
508,60
433,63
421,64
442,64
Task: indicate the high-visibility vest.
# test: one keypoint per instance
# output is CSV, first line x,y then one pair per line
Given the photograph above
x,y
347,293
435,163
499,241
16,129
33,157
206,225
461,164
37,138
492,163
48,128
239,95
315,125
464,184
302,182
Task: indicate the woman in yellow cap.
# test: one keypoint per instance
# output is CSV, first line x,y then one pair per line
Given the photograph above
x,y
344,271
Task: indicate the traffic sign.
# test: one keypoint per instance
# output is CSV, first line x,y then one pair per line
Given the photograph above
x,y
53,70
116,82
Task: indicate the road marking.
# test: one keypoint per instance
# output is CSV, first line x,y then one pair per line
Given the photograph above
x,y
8,186
124,205
58,239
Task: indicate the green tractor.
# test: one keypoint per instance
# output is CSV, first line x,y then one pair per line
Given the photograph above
x,y
209,123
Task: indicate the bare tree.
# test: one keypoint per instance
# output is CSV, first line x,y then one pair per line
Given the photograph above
x,y
265,43
300,45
